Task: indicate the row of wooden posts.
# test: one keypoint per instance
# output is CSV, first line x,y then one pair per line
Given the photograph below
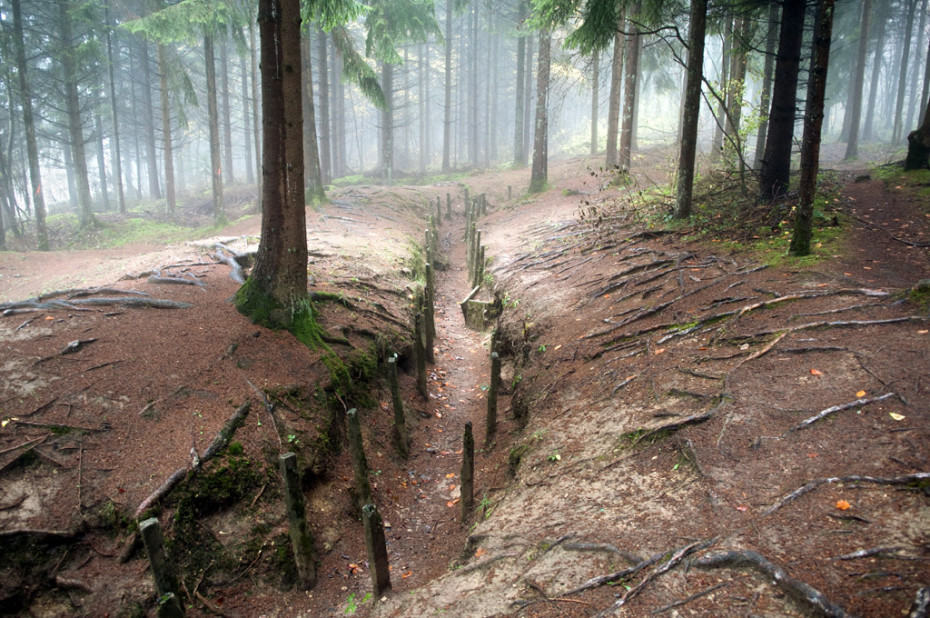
x,y
166,583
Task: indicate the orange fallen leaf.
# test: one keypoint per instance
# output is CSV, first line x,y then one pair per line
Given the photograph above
x,y
742,508
452,503
659,351
479,552
406,575
843,505
451,475
49,317
860,393
816,372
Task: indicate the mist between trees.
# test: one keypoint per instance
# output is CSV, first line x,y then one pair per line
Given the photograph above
x,y
153,106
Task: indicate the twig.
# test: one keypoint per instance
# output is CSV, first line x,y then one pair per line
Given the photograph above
x,y
688,599
838,408
800,591
865,553
761,352
28,443
80,476
15,503
906,479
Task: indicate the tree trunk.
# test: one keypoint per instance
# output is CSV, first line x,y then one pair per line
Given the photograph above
x,y
339,117
423,125
527,100
216,165
595,85
387,122
311,153
813,118
246,131
473,88
115,146
613,109
166,130
881,18
539,174
776,165
256,108
918,145
32,150
629,91
404,163
689,125
447,96
326,160
148,121
228,175
734,102
926,90
276,292
101,162
724,89
916,99
519,156
493,103
73,107
855,111
902,76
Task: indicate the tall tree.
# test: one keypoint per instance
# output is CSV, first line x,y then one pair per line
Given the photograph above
x,y
276,291
226,114
776,164
447,94
166,130
880,18
313,176
148,119
813,119
595,85
915,99
855,112
630,74
519,154
216,164
697,25
32,150
114,115
902,77
918,144
613,101
539,175
326,159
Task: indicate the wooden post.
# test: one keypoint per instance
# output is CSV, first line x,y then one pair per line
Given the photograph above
x,y
509,193
475,250
166,583
484,203
429,308
377,550
448,206
468,473
438,211
466,195
401,440
492,397
301,541
419,353
359,462
479,267
427,246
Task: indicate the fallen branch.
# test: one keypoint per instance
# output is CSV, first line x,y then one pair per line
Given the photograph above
x,y
838,408
867,553
804,593
601,580
906,479
29,443
688,599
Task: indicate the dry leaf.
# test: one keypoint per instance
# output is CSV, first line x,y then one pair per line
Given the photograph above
x,y
479,552
816,372
406,575
452,503
659,351
451,475
843,505
896,416
860,393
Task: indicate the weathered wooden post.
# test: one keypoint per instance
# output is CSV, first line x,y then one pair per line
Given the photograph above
x,y
492,397
419,352
479,267
427,246
429,308
377,550
509,193
359,462
468,473
466,195
301,541
401,440
448,207
484,203
475,249
438,211
166,583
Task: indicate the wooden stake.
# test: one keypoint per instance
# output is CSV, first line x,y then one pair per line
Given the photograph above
x,y
162,570
429,324
448,206
377,550
438,212
468,473
301,540
419,353
492,397
401,439
359,462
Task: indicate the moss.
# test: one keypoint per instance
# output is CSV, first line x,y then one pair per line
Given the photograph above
x,y
516,456
920,294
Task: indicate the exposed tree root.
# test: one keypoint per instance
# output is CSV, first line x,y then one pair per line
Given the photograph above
x,y
907,479
157,277
838,408
688,599
834,324
868,553
920,608
231,258
28,444
803,593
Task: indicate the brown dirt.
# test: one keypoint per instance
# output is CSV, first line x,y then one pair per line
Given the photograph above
x,y
590,493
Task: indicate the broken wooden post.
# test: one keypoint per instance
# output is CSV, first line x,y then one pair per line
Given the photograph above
x,y
448,206
419,352
401,441
359,462
427,246
166,583
479,267
468,472
438,212
509,193
377,550
466,194
492,397
429,308
301,541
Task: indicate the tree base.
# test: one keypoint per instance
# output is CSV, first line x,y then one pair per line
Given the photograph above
x,y
918,152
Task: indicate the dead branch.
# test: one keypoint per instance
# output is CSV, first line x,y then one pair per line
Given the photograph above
x,y
765,349
906,479
157,277
29,443
24,324
602,580
688,599
839,408
867,553
803,593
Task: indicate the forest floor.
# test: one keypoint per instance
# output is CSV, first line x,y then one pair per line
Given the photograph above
x,y
668,462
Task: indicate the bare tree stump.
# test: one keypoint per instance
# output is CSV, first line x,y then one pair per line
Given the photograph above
x,y
377,550
468,473
359,461
400,437
492,397
301,540
166,582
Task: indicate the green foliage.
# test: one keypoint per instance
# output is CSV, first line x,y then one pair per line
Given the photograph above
x,y
356,70
391,23
187,21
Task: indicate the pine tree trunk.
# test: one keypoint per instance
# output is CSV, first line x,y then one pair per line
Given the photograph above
x,y
539,173
924,98
613,109
493,104
813,118
855,111
228,171
166,130
881,18
689,126
148,121
738,60
32,150
631,71
216,165
404,163
520,91
311,154
918,145
723,90
595,85
473,88
387,123
135,129
776,165
902,74
447,96
339,119
527,100
326,157
256,109
101,162
916,99
114,116
423,126
246,120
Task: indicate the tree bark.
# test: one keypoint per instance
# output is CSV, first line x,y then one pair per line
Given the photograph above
x,y
326,159
422,92
101,162
918,144
256,107
595,84
473,89
629,91
527,100
689,125
32,150
613,105
166,130
216,165
540,171
115,149
447,96
148,121
228,172
915,99
338,118
855,111
881,18
311,155
387,122
813,119
776,164
726,39
902,75
246,120
519,157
